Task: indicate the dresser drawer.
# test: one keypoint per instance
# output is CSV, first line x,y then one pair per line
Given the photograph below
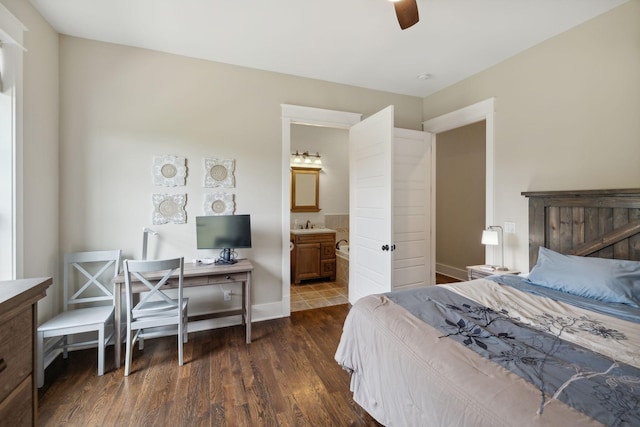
x,y
314,237
16,349
17,408
328,251
328,268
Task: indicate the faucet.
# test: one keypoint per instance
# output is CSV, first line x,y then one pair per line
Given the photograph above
x,y
145,237
308,222
340,241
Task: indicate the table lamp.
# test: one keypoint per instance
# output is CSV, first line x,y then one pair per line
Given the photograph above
x,y
490,236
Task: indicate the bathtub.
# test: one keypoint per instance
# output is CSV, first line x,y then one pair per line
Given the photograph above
x,y
342,265
343,252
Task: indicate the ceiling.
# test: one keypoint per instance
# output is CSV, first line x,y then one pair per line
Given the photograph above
x,y
355,42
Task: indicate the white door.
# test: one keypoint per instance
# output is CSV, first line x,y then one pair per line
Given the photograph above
x,y
370,205
390,234
413,258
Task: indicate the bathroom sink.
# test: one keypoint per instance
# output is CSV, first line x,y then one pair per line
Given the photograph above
x,y
312,230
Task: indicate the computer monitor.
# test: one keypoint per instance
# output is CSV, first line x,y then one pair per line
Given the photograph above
x,y
226,232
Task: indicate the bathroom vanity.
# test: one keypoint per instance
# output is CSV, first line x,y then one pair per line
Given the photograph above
x,y
313,255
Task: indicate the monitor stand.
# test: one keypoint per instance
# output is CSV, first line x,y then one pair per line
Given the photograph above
x,y
227,257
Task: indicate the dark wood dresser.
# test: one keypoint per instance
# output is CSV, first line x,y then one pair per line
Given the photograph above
x,y
18,325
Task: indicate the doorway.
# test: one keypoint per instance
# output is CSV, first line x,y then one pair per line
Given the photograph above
x,y
300,115
475,113
330,148
460,199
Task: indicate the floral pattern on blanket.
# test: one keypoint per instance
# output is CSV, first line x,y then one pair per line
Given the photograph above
x,y
600,387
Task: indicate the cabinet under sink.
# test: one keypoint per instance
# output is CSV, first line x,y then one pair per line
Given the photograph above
x,y
313,255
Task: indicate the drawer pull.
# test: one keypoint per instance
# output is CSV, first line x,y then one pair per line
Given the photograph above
x,y
3,364
228,277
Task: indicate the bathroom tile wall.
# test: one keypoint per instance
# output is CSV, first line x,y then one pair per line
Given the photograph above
x,y
340,223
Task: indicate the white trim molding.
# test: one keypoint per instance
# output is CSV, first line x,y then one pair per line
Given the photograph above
x,y
11,29
297,114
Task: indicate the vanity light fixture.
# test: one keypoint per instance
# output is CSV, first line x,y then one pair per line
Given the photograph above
x,y
306,159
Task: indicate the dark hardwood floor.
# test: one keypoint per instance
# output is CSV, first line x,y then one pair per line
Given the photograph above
x,y
286,377
441,279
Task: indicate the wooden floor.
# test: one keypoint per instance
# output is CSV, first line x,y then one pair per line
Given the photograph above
x,y
441,279
286,377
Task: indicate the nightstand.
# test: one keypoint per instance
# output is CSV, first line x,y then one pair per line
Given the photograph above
x,y
480,271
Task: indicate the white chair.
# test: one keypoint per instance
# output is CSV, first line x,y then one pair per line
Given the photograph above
x,y
155,308
87,308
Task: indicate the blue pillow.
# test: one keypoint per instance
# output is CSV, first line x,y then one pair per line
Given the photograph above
x,y
608,280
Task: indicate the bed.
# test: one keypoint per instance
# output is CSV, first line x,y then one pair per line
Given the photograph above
x,y
559,347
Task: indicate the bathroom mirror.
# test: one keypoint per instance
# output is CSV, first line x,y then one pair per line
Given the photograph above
x,y
305,189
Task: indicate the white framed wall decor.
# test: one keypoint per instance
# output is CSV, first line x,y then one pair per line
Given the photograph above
x,y
169,208
219,173
169,171
219,204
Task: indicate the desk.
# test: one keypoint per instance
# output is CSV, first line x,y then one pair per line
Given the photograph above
x,y
195,275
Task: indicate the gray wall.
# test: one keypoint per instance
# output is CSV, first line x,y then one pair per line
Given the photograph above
x,y
460,198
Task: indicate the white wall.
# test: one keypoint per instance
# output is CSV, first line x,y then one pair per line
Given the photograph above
x,y
120,106
566,119
39,215
333,146
566,116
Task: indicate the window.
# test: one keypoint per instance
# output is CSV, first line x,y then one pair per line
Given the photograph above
x,y
11,49
6,173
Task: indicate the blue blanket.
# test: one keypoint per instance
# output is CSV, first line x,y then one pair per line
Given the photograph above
x,y
599,387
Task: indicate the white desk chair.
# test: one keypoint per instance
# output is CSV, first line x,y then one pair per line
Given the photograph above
x,y
155,308
87,308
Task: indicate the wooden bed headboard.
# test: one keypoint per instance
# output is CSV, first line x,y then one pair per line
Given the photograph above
x,y
601,223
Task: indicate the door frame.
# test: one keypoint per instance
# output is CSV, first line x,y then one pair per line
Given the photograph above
x,y
483,110
310,116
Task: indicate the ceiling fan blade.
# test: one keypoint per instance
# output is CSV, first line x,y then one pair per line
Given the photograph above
x,y
407,13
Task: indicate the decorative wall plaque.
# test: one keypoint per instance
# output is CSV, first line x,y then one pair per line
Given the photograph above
x,y
219,204
169,208
169,170
219,173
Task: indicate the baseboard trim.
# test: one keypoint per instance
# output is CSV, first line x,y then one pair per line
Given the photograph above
x,y
455,272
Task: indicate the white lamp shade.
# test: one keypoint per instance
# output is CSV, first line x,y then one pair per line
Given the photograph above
x,y
490,237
